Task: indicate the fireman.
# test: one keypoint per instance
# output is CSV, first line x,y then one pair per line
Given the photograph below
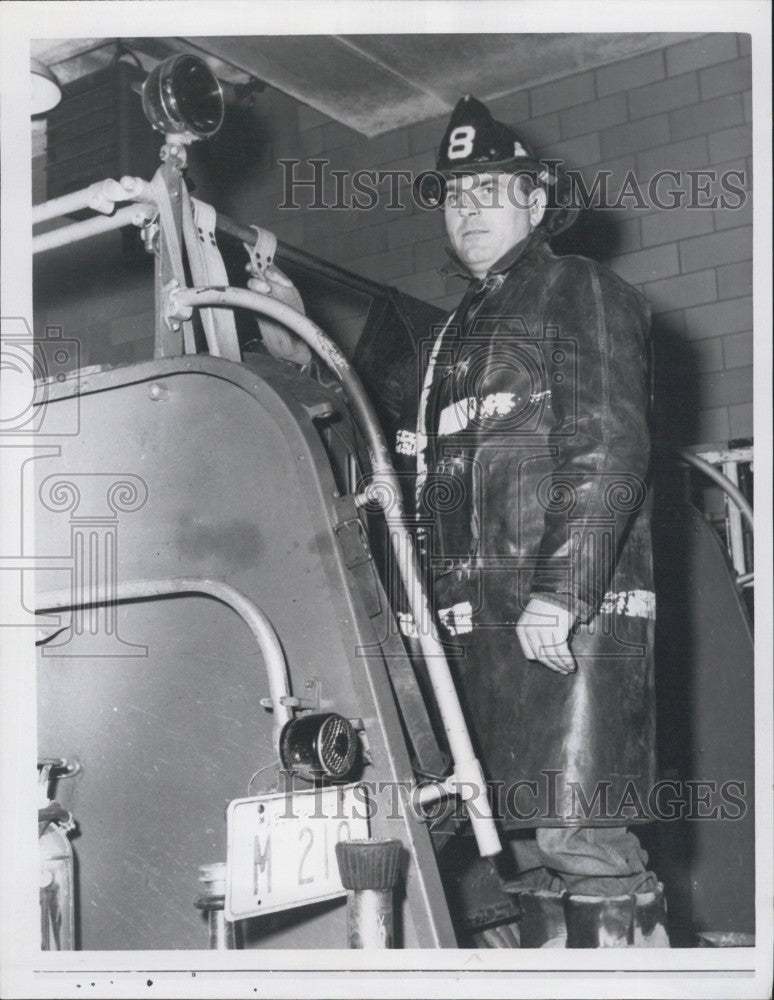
x,y
531,454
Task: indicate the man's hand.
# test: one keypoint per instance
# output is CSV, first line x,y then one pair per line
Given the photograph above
x,y
256,284
543,631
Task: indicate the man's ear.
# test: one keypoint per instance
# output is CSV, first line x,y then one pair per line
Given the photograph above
x,y
537,206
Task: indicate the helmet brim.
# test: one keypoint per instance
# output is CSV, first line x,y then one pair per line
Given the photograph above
x,y
550,176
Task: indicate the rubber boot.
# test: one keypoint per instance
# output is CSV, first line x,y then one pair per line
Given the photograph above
x,y
485,915
542,919
501,936
650,919
599,921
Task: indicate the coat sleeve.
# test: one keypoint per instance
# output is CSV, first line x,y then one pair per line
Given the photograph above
x,y
599,437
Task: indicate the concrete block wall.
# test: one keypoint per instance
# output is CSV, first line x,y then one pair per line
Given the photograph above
x,y
686,107
91,292
683,108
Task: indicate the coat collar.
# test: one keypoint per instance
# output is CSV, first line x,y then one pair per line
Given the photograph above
x,y
456,268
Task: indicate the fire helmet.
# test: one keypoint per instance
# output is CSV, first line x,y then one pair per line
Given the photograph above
x,y
475,143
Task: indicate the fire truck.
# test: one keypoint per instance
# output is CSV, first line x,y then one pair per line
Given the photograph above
x,y
236,747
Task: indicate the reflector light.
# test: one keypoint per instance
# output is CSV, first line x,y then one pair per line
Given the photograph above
x,y
183,96
320,746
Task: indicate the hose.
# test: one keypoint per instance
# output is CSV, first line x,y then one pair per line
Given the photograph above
x,y
254,618
468,778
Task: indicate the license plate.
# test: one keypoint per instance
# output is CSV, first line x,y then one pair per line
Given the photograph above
x,y
281,848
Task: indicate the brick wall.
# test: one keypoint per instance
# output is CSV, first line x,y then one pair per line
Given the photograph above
x,y
685,107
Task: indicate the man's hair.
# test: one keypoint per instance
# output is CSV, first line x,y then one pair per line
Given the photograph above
x,y
528,182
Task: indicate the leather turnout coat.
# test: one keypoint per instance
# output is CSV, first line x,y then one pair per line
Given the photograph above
x,y
531,454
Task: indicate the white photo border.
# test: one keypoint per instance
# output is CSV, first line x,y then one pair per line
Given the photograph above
x,y
26,972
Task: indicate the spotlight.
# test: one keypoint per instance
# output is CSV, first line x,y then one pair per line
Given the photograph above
x,y
182,96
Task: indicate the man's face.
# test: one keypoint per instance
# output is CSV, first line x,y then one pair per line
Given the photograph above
x,y
486,215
